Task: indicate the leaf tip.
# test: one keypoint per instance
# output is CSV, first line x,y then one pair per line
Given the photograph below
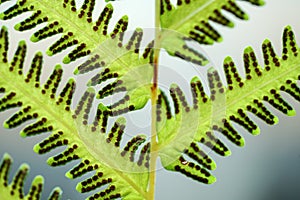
x,y
256,131
248,50
121,120
109,6
5,125
91,90
34,39
291,112
17,27
76,71
58,67
6,156
39,179
227,153
242,142
4,28
71,80
24,166
125,17
50,161
49,53
211,70
261,3
230,25
276,120
89,84
138,29
2,15
288,28
211,180
66,60
22,42
213,166
246,17
79,187
36,148
266,41
68,175
58,189
23,134
195,79
220,39
39,53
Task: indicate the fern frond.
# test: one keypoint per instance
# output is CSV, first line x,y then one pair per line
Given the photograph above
x,y
62,17
114,59
190,20
242,96
15,190
39,105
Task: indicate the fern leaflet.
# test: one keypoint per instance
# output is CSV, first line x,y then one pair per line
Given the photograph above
x,y
189,20
243,96
39,104
14,190
114,63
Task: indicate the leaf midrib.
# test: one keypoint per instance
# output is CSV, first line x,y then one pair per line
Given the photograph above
x,y
266,83
19,87
237,100
92,39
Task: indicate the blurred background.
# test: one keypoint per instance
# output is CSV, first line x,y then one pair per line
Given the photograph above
x,y
268,167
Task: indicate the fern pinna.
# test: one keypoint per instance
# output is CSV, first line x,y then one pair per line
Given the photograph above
x,y
79,145
191,21
15,190
242,95
125,174
29,95
113,63
92,38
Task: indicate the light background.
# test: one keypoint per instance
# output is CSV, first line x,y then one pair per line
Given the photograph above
x,y
266,168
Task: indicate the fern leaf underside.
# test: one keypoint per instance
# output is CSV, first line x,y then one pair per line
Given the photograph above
x,y
39,104
242,96
120,64
114,59
190,21
188,18
15,190
283,69
279,74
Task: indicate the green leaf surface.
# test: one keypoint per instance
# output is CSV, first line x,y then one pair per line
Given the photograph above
x,y
181,136
75,26
246,95
106,52
39,104
191,21
15,189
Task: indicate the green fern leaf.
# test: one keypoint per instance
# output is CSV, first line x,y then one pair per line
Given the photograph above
x,y
114,63
117,64
15,189
189,20
130,72
242,96
62,17
92,147
39,103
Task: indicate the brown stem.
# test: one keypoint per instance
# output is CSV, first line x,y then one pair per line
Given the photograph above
x,y
154,144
